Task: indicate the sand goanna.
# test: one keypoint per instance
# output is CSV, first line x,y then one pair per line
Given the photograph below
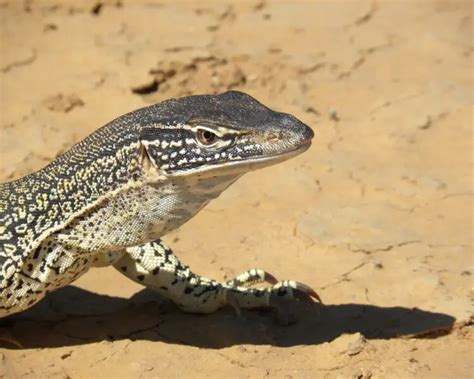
x,y
111,197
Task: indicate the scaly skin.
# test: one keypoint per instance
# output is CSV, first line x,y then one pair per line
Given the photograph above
x,y
110,199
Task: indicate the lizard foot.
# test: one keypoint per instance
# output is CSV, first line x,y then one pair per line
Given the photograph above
x,y
155,266
281,296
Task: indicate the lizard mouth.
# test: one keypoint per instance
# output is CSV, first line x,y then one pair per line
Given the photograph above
x,y
285,154
240,166
279,157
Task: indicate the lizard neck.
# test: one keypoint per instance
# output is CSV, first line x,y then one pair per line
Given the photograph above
x,y
142,214
182,198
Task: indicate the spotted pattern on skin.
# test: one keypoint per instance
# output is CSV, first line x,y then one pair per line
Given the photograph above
x,y
109,199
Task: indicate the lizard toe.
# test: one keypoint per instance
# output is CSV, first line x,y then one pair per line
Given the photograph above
x,y
251,277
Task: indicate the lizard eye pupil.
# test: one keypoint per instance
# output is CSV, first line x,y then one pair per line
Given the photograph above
x,y
206,137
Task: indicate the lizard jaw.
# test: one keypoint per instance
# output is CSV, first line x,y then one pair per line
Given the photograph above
x,y
241,166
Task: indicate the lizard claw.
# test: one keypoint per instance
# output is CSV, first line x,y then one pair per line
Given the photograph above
x,y
283,295
269,278
231,299
305,290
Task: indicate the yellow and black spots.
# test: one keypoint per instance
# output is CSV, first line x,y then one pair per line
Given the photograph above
x,y
128,184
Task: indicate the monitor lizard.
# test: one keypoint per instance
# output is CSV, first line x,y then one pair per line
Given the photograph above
x,y
111,197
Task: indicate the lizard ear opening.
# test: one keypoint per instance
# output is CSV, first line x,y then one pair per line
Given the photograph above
x,y
150,169
144,158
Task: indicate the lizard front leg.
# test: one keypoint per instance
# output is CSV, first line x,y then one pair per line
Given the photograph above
x,y
155,266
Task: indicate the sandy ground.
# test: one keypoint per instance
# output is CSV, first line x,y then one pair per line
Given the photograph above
x,y
376,215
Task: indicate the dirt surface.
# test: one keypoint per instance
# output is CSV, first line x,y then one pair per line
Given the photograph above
x,y
376,215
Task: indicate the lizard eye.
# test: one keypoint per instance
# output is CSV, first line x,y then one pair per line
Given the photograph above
x,y
206,137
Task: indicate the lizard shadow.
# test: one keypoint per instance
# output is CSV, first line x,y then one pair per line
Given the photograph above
x,y
73,316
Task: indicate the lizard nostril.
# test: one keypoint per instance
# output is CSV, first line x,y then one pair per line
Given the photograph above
x,y
273,137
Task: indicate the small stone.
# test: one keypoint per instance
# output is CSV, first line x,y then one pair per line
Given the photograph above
x,y
49,27
356,346
362,374
425,124
378,265
350,344
312,110
333,115
146,88
63,103
66,355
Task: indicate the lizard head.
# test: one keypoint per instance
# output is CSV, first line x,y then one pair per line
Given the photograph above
x,y
219,134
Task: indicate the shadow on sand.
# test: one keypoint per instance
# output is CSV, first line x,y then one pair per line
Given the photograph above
x,y
73,316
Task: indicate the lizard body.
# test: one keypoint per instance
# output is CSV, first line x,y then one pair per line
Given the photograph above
x,y
110,199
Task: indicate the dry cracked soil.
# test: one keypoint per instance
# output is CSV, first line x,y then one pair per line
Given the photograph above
x,y
377,215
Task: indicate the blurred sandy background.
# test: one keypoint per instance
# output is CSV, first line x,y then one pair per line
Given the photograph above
x,y
377,215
